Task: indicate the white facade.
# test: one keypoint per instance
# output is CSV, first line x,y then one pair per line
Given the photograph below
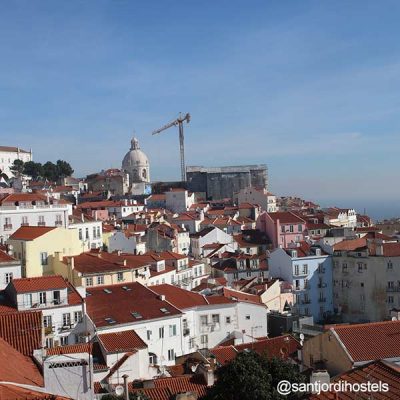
x,y
10,269
13,217
90,233
126,243
263,198
124,208
178,201
9,154
214,235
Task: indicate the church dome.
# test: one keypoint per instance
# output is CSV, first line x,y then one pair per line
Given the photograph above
x,y
136,163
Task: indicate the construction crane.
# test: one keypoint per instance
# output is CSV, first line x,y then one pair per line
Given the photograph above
x,y
179,121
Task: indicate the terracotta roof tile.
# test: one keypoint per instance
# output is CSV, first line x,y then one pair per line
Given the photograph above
x,y
31,232
69,349
24,285
22,330
13,392
372,341
183,384
121,341
224,354
285,217
6,258
349,245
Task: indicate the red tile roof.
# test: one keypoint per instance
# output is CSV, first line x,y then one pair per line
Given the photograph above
x,y
6,258
242,296
37,284
285,346
350,245
391,249
19,369
22,198
121,341
377,371
13,392
22,330
183,384
224,354
122,301
31,232
182,298
70,349
12,149
372,341
153,393
286,217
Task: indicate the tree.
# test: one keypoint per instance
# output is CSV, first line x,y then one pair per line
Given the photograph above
x,y
17,167
64,169
33,169
252,377
50,171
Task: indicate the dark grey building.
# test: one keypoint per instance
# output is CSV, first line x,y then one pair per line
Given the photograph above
x,y
222,182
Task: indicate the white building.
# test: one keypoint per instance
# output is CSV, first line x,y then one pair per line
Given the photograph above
x,y
61,305
127,242
179,200
9,154
10,268
208,236
262,197
88,230
209,320
156,321
24,209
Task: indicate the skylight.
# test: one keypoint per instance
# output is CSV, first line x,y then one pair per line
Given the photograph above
x,y
108,291
126,288
110,320
136,315
164,311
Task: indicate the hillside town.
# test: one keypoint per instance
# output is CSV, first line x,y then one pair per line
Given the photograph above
x,y
113,285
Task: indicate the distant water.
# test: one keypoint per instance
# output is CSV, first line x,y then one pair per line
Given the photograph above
x,y
376,209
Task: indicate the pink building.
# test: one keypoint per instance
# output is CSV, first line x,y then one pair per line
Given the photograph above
x,y
282,228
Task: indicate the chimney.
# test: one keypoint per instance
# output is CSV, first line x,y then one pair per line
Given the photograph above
x,y
72,263
161,297
208,374
124,262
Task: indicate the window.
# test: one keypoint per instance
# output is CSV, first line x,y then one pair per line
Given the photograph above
x,y
390,285
8,277
120,276
191,343
305,269
89,281
344,267
24,221
227,320
64,340
171,355
47,321
247,317
43,258
203,320
248,273
215,318
300,228
49,342
291,229
204,340
28,299
172,330
66,319
149,333
78,317
98,232
296,269
161,333
389,265
42,297
390,299
152,359
80,234
100,280
87,233
184,324
41,221
94,232
282,229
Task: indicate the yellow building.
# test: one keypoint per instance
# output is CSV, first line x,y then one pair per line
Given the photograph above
x,y
35,247
97,268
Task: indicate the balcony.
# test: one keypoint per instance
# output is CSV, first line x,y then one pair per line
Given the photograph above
x,y
322,300
7,227
300,273
25,224
41,223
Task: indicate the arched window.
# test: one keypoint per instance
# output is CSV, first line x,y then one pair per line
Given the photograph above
x,y
144,174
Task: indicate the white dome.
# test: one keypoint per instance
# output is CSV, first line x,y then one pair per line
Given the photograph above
x,y
136,163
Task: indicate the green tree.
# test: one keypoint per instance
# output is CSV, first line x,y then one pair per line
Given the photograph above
x,y
50,171
17,167
33,169
64,169
252,377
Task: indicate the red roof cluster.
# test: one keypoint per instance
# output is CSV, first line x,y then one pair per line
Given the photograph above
x,y
31,232
40,283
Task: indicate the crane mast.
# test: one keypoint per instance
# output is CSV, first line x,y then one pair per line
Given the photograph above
x,y
178,122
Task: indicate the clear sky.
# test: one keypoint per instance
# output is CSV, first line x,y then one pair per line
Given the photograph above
x,y
312,88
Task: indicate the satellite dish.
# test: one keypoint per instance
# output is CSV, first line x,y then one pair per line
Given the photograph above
x,y
301,336
394,318
119,390
10,247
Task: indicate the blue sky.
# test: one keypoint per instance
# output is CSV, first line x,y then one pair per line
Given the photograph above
x,y
312,88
